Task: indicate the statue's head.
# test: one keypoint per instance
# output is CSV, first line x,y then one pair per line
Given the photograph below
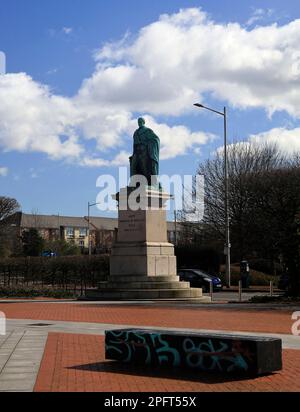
x,y
141,122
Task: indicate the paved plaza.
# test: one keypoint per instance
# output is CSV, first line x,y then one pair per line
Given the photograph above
x,y
59,346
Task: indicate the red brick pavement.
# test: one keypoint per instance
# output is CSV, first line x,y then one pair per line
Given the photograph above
x,y
269,321
75,363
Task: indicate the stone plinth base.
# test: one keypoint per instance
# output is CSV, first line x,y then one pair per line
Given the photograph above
x,y
150,259
143,263
144,288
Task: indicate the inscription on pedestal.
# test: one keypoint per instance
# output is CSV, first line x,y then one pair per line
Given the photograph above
x,y
132,226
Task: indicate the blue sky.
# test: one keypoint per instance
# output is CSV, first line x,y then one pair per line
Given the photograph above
x,y
55,141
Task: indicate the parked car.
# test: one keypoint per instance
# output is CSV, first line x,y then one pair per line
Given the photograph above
x,y
49,253
199,279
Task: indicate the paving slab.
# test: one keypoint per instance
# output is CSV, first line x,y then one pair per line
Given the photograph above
x,y
288,341
80,365
20,358
21,350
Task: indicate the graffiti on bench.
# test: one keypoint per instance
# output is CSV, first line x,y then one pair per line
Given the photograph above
x,y
197,352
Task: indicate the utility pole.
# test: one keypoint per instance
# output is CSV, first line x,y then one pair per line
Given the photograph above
x,y
226,189
89,226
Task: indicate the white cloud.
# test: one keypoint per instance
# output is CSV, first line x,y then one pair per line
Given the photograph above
x,y
3,171
122,159
175,60
163,70
176,140
287,140
59,32
32,119
33,173
67,30
93,162
259,15
52,71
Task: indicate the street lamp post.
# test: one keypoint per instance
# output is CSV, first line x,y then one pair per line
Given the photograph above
x,y
89,230
227,219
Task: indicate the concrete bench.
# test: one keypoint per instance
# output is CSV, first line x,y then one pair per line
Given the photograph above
x,y
251,355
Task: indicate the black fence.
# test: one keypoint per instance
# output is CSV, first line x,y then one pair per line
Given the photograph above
x,y
71,274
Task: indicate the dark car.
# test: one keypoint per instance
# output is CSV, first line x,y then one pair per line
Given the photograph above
x,y
49,253
199,279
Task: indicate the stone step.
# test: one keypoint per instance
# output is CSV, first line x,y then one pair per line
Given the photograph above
x,y
137,294
202,300
141,278
144,285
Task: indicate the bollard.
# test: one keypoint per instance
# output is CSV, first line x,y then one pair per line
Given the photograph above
x,y
271,289
240,291
211,290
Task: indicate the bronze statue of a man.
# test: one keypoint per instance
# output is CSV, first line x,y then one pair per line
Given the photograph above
x,y
145,158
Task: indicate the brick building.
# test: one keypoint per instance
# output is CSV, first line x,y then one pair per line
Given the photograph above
x,y
71,229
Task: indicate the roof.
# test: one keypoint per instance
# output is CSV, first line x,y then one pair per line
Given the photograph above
x,y
55,222
105,223
51,222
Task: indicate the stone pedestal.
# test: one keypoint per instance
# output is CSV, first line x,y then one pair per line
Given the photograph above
x,y
143,263
142,247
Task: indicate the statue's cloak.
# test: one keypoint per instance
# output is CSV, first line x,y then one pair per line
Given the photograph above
x,y
146,137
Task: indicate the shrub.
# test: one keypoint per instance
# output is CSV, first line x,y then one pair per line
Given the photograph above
x,y
274,299
256,278
266,266
61,272
23,292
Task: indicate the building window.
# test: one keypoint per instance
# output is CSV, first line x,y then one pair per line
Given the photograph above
x,y
70,232
82,232
81,243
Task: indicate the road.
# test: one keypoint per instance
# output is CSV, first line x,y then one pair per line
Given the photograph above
x,y
234,296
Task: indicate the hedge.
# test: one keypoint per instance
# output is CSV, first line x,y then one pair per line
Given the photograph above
x,y
65,273
29,292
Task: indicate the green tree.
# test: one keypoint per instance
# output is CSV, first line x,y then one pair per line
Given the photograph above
x,y
33,243
63,248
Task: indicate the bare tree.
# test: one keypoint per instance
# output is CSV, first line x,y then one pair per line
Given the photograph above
x,y
264,202
246,163
8,207
276,209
